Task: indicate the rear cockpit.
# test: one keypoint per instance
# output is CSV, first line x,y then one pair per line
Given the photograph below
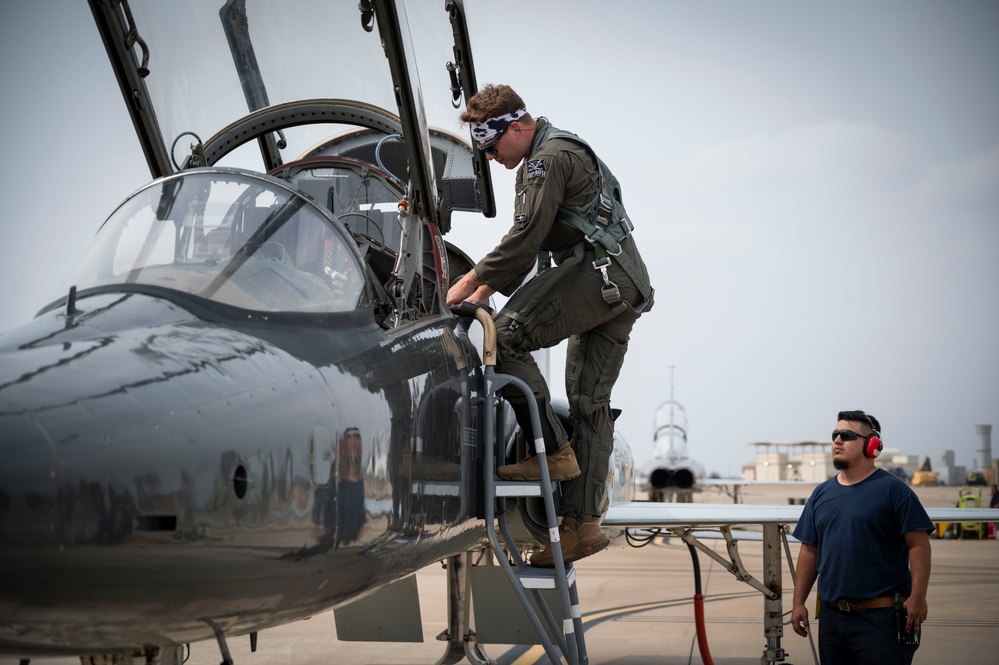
x,y
359,177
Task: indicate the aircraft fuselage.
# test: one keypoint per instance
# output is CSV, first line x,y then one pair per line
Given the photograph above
x,y
227,473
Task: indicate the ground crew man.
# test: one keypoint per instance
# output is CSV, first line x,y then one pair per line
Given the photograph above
x,y
865,538
591,296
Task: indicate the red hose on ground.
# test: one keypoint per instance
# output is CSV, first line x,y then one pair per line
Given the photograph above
x,y
702,636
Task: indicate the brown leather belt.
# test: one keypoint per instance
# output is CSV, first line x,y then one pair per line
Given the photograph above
x,y
862,605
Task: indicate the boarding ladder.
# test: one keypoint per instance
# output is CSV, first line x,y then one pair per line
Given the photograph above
x,y
526,581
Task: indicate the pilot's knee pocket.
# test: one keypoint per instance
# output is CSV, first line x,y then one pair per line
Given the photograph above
x,y
538,327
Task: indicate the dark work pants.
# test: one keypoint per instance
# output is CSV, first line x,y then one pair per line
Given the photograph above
x,y
565,303
861,638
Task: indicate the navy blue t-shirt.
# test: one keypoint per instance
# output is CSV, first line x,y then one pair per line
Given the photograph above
x,y
859,531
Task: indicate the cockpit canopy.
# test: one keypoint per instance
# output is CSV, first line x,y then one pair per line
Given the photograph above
x,y
238,239
334,98
255,84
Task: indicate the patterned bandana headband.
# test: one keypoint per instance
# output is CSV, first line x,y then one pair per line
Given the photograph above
x,y
484,132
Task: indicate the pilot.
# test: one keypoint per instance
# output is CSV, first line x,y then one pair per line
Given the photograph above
x,y
557,174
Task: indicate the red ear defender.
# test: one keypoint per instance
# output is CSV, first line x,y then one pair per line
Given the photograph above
x,y
873,445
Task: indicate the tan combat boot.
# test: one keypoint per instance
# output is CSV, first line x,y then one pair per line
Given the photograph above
x,y
578,538
562,465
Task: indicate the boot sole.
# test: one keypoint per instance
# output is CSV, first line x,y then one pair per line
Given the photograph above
x,y
555,479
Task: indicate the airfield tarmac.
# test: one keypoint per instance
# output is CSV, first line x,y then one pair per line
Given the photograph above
x,y
638,609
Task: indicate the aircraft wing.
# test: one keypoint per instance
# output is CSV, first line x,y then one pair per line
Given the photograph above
x,y
730,482
647,514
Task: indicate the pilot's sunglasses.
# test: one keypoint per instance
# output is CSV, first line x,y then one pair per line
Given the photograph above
x,y
846,435
491,148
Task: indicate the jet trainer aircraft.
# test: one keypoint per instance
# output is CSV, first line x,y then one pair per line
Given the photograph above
x,y
251,405
670,473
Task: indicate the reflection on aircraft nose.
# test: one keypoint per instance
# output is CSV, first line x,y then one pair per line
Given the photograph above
x,y
29,478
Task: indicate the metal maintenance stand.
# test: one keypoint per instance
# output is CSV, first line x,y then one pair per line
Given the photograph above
x,y
560,639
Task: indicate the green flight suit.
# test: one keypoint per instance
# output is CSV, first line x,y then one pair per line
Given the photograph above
x,y
564,302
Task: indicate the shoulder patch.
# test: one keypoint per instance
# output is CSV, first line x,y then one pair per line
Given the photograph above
x,y
536,169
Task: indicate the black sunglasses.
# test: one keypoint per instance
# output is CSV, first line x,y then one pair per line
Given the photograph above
x,y
846,435
491,148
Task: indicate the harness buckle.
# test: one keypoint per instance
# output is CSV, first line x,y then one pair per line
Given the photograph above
x,y
611,294
609,291
602,264
597,237
605,210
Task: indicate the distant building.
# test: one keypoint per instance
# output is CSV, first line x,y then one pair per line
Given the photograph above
x,y
771,466
811,461
815,466
808,461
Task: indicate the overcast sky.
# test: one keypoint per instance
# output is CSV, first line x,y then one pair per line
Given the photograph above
x,y
815,188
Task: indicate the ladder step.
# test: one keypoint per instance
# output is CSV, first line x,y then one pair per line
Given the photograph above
x,y
436,488
533,577
509,488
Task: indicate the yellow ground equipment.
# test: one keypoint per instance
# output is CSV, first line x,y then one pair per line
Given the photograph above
x,y
925,475
970,498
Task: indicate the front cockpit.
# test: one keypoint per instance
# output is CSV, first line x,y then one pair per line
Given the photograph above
x,y
229,237
320,235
